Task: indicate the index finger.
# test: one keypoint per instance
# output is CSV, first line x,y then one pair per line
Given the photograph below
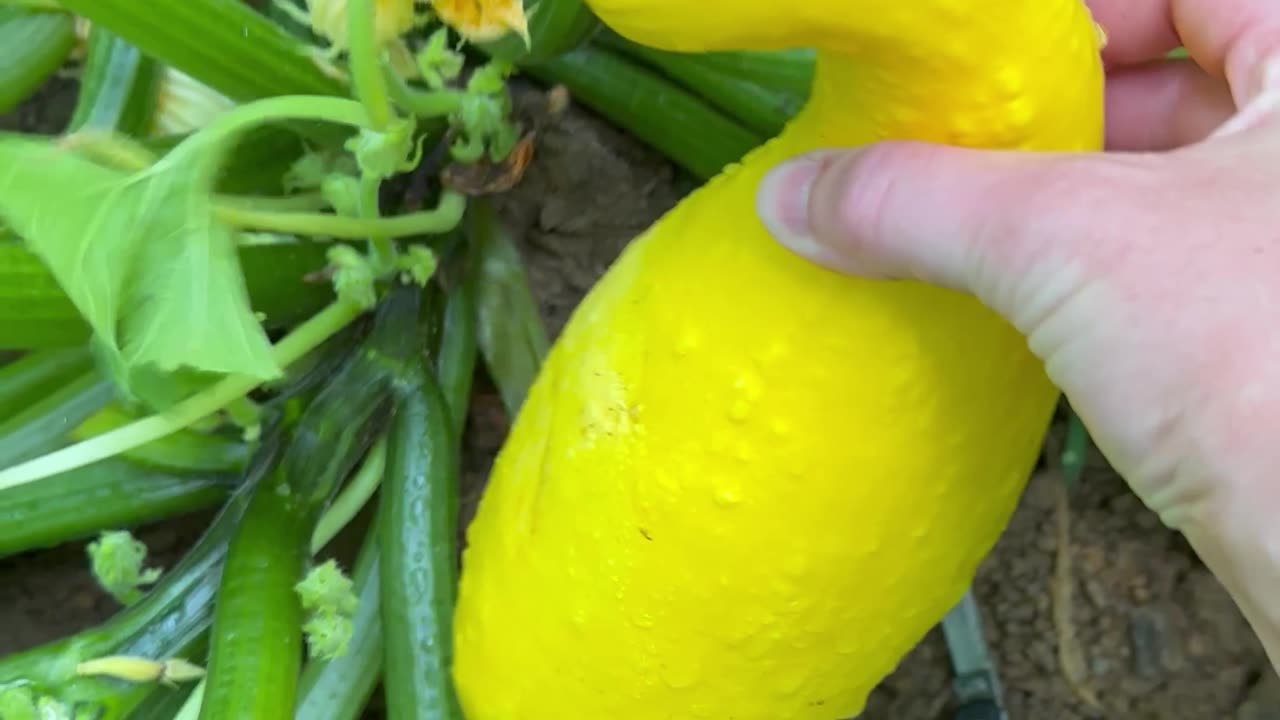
x,y
1137,30
1225,37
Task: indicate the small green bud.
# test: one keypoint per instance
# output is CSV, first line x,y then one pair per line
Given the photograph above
x,y
419,263
383,154
342,192
329,601
437,62
117,560
352,277
306,172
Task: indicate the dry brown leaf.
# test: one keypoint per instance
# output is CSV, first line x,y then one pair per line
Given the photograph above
x,y
486,177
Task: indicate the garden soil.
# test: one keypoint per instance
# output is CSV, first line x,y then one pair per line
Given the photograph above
x,y
1148,633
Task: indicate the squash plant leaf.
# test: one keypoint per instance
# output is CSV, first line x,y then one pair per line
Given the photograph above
x,y
141,255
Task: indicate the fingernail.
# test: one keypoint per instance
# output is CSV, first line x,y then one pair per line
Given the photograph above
x,y
782,202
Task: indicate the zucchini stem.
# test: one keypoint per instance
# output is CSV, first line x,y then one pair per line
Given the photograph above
x,y
299,202
380,247
353,497
442,218
366,72
425,105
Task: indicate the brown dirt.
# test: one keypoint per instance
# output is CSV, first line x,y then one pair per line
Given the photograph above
x,y
1159,639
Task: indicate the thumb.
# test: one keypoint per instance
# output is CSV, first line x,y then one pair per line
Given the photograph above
x,y
969,220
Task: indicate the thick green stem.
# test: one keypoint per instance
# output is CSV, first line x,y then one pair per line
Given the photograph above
x,y
384,253
366,70
284,107
304,338
424,105
115,151
371,88
290,203
443,218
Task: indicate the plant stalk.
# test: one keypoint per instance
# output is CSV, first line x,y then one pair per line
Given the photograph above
x,y
304,338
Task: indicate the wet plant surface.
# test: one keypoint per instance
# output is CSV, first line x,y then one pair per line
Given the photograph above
x,y
1151,634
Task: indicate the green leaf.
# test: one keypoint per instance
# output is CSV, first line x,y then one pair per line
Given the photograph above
x,y
141,256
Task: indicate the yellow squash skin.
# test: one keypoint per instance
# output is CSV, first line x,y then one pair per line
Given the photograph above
x,y
744,486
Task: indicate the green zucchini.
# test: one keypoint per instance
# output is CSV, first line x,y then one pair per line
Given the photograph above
x,y
419,553
35,375
788,71
111,494
171,620
36,43
761,109
256,652
672,120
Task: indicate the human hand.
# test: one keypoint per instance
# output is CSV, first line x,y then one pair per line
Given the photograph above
x,y
1147,278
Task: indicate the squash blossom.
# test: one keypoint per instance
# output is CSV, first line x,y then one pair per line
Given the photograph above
x,y
184,104
392,18
484,20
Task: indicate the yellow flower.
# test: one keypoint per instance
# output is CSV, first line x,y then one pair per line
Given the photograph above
x,y
184,104
484,20
392,18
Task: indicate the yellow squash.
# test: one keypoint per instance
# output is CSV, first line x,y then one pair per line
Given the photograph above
x,y
744,486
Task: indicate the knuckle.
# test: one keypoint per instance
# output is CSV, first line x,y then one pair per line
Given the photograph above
x,y
862,192
868,202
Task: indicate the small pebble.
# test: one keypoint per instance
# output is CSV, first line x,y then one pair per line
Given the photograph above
x,y
1149,634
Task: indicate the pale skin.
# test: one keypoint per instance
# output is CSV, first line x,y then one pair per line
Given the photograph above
x,y
1147,277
